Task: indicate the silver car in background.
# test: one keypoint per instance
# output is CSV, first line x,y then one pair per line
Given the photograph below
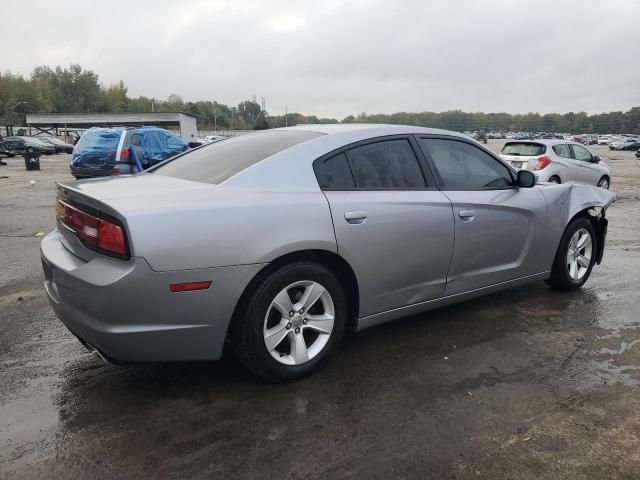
x,y
277,242
558,161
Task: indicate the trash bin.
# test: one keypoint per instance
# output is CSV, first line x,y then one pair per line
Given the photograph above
x,y
31,160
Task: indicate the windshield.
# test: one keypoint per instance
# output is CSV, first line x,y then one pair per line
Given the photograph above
x,y
220,161
524,149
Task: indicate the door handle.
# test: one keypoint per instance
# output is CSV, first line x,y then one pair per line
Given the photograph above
x,y
356,218
467,215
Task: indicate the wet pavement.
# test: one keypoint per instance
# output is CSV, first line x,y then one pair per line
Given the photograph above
x,y
527,383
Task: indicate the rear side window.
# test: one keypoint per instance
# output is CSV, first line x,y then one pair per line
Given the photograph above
x,y
334,173
524,149
388,164
220,161
562,150
463,166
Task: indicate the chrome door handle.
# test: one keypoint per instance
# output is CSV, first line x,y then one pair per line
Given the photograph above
x,y
356,218
467,215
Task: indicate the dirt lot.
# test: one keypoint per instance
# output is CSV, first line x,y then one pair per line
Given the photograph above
x,y
525,384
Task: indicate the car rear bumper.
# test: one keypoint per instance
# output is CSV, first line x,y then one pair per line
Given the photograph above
x,y
125,310
88,172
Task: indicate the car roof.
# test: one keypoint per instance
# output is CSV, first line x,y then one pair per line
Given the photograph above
x,y
544,141
375,129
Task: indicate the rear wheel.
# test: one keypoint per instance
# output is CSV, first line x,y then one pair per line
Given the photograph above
x,y
575,256
292,322
554,179
604,182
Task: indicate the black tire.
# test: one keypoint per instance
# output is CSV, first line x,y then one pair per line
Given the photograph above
x,y
602,181
560,278
247,329
555,179
11,155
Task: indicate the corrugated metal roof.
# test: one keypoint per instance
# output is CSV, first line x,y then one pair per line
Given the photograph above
x,y
104,119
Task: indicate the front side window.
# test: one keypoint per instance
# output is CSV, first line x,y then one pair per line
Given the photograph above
x,y
387,164
562,150
581,153
463,166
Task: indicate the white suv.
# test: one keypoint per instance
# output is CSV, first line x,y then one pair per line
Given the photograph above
x,y
558,161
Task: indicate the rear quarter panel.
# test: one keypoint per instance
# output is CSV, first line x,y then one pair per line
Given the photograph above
x,y
218,227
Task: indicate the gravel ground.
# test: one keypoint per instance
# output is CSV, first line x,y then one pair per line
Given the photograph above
x,y
527,383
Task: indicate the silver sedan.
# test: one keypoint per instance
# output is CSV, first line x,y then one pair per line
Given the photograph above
x,y
278,242
558,161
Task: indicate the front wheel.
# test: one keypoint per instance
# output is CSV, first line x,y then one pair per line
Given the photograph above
x,y
604,183
575,256
292,322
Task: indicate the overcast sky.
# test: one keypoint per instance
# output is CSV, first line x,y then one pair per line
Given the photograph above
x,y
340,57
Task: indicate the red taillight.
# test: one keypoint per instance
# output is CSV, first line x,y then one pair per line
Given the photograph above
x,y
124,153
115,173
188,287
111,237
96,233
542,162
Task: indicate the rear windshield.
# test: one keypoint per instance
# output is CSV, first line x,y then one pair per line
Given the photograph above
x,y
524,149
220,161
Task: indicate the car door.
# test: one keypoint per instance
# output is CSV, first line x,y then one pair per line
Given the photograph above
x,y
565,164
586,172
391,223
498,227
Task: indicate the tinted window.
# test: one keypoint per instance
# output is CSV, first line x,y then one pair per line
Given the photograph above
x,y
220,161
524,149
461,165
581,153
334,173
562,150
389,164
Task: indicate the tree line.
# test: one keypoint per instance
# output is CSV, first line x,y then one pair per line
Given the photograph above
x,y
76,90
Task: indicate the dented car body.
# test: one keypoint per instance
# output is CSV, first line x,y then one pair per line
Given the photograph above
x,y
404,219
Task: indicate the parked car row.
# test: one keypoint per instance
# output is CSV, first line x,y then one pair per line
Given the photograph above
x,y
624,143
17,145
616,142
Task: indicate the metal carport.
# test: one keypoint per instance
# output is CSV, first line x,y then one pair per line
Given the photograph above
x,y
52,123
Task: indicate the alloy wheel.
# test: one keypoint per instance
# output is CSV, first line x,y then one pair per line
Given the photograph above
x,y
579,253
299,322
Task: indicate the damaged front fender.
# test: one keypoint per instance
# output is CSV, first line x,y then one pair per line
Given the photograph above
x,y
566,201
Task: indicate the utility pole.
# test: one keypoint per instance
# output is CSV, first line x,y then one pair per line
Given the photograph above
x,y
285,117
215,119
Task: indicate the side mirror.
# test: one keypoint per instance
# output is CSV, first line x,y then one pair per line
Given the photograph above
x,y
595,159
526,179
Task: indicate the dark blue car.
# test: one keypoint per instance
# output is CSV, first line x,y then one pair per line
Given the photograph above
x,y
112,151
